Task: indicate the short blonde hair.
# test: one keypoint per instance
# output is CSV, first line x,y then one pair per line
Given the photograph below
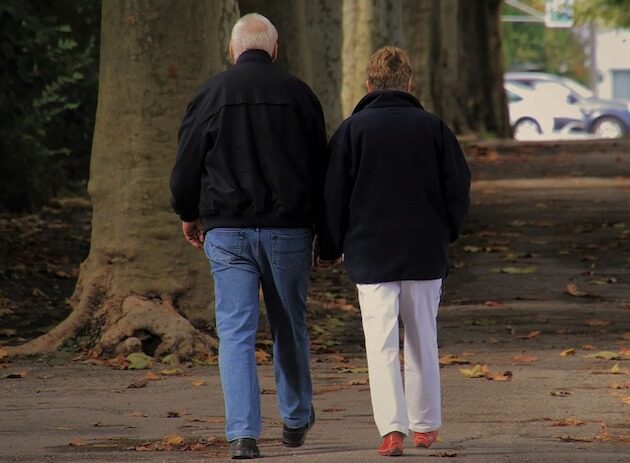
x,y
253,31
389,69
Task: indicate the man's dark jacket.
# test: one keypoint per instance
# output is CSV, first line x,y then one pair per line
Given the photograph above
x,y
397,190
252,150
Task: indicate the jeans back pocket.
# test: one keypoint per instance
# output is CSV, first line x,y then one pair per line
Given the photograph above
x,y
223,246
291,249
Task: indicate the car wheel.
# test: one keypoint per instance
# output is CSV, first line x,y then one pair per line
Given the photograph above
x,y
608,127
527,129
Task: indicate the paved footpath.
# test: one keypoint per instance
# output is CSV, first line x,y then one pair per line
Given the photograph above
x,y
542,269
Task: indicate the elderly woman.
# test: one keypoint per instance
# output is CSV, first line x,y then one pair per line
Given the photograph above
x,y
397,192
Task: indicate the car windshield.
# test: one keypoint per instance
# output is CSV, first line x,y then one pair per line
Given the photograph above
x,y
578,88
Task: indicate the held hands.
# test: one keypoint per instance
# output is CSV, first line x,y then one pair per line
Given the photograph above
x,y
193,232
320,264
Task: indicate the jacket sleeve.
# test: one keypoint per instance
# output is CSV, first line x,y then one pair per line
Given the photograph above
x,y
455,176
319,157
185,179
337,192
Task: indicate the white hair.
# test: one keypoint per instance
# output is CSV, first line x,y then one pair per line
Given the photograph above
x,y
247,34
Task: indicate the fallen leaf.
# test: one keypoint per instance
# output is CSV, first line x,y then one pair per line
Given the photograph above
x,y
359,382
517,270
494,304
472,248
530,335
615,370
572,290
262,356
150,376
268,392
16,375
333,410
172,360
605,355
138,415
450,359
139,361
524,358
172,414
78,442
139,383
595,322
198,382
478,371
568,422
619,386
3,353
444,454
588,347
626,400
560,394
575,439
568,352
500,377
172,372
174,439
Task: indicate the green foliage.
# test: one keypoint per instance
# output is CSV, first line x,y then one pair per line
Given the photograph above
x,y
48,77
609,13
534,46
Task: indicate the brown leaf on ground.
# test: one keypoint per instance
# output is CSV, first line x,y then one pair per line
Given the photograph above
x,y
138,415
597,322
500,377
17,375
359,382
333,410
588,347
530,335
452,359
262,357
619,386
198,382
150,376
572,290
268,392
568,352
139,383
494,304
568,422
444,455
172,414
78,442
576,439
524,358
605,355
560,393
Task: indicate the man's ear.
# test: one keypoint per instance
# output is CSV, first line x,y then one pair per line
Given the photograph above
x,y
409,85
274,55
231,54
368,85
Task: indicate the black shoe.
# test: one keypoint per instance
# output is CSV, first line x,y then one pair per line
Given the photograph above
x,y
295,437
246,448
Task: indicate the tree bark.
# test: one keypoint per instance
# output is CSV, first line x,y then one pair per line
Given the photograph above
x,y
309,46
141,280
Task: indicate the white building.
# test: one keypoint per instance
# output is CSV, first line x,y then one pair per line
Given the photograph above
x,y
613,64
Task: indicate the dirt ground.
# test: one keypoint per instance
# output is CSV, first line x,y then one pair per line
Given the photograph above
x,y
538,301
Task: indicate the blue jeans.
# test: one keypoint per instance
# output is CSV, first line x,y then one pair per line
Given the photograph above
x,y
279,261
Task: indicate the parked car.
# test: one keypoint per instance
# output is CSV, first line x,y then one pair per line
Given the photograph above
x,y
603,118
543,112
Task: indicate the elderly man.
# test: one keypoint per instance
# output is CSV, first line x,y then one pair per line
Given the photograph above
x,y
397,191
248,187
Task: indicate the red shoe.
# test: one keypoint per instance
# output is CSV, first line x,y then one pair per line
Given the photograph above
x,y
392,445
424,439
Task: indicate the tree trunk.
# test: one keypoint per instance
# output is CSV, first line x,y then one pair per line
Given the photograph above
x,y
141,283
310,46
455,51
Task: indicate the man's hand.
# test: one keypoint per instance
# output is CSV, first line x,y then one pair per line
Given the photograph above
x,y
193,232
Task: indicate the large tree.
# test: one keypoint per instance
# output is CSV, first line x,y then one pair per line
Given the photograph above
x,y
142,286
455,49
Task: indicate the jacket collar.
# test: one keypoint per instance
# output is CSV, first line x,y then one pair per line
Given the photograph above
x,y
384,98
254,56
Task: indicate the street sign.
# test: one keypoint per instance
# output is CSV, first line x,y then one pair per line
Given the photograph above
x,y
559,13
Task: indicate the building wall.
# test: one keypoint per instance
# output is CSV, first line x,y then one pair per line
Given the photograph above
x,y
613,64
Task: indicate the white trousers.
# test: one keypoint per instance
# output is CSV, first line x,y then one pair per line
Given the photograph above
x,y
417,406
